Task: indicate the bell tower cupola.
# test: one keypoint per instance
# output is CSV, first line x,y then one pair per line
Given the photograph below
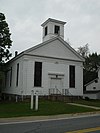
x,y
53,28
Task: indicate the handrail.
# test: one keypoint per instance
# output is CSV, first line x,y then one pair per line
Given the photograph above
x,y
57,91
54,91
69,92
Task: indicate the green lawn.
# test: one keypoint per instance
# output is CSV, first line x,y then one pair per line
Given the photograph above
x,y
89,102
45,108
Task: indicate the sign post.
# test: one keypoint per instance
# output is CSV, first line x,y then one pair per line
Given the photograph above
x,y
16,98
22,96
36,101
32,94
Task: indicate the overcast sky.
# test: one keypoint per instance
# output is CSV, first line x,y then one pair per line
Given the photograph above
x,y
25,17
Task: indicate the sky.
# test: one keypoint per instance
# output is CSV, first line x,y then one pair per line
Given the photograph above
x,y
25,17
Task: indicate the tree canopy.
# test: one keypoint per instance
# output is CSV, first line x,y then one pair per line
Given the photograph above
x,y
5,44
83,50
91,64
5,40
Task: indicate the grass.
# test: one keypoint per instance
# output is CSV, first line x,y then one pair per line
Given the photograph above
x,y
89,102
45,108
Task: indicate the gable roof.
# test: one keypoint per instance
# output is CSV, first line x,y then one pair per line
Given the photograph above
x,y
53,20
91,82
51,40
46,42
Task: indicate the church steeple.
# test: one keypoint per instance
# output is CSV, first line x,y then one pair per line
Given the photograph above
x,y
53,28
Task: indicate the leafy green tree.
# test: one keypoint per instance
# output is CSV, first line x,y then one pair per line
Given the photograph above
x,y
5,44
91,64
84,50
5,40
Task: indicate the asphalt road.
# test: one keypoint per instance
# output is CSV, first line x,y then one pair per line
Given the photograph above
x,y
92,123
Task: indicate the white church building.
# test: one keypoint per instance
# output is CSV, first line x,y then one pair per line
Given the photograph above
x,y
51,67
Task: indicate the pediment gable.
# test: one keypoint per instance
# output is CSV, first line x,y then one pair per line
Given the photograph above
x,y
56,48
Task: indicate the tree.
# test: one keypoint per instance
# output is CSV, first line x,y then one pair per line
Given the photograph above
x,y
84,50
5,44
5,40
91,64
